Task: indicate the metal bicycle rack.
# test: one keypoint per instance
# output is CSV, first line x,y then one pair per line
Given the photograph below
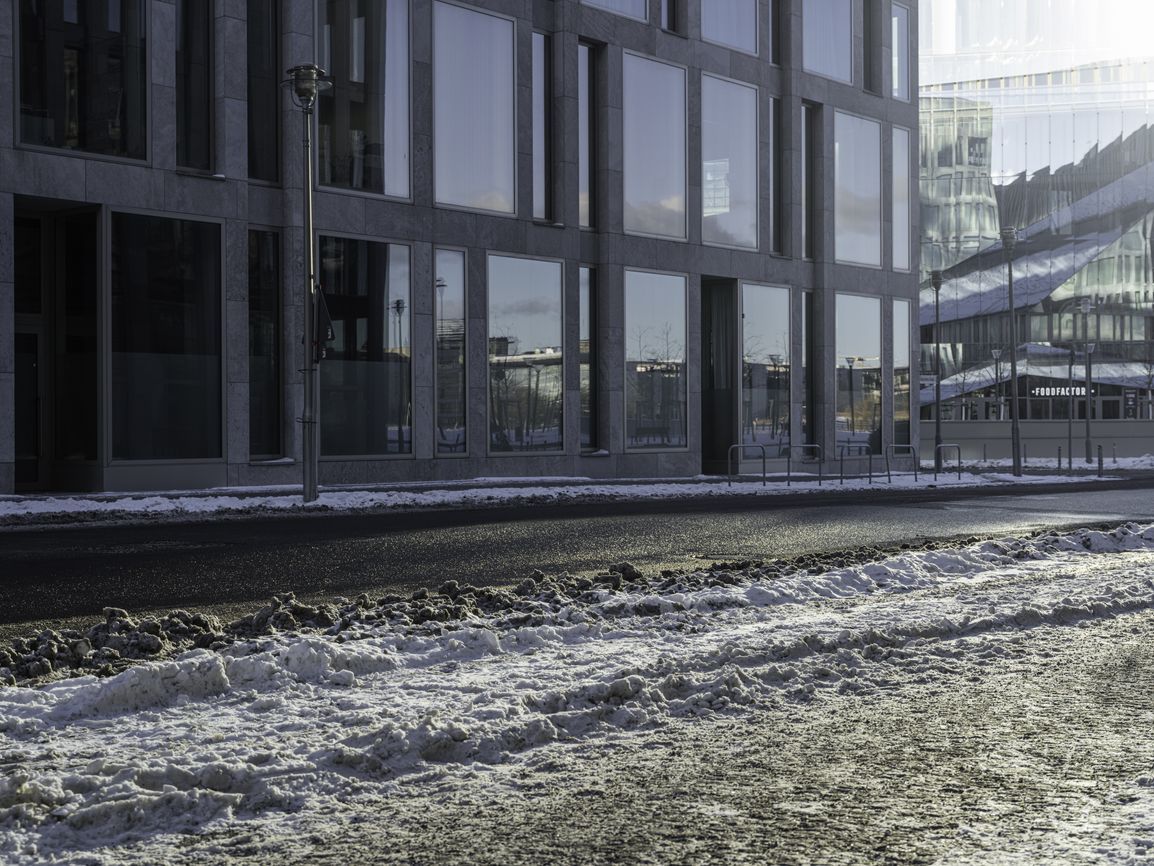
x,y
804,448
742,447
892,451
948,447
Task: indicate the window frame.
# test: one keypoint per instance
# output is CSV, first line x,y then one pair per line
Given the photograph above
x,y
17,123
104,351
881,192
851,81
757,203
625,361
437,203
315,118
756,52
595,5
362,458
464,251
551,453
684,238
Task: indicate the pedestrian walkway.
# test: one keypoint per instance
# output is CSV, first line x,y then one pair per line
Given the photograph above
x,y
60,509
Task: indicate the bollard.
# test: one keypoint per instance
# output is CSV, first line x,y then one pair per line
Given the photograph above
x,y
1025,454
1099,461
842,458
1115,453
871,470
1059,458
984,458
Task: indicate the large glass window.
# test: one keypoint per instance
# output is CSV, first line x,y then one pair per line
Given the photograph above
x,y
542,100
655,373
857,190
587,358
728,163
632,8
901,372
194,71
765,366
264,93
525,371
264,344
827,38
901,198
450,383
900,27
859,374
654,126
585,127
730,22
166,368
83,76
366,383
474,136
363,123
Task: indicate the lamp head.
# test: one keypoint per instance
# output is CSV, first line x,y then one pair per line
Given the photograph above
x,y
306,82
1009,238
936,280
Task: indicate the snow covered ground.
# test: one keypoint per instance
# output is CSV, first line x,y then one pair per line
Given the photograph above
x,y
209,754
492,491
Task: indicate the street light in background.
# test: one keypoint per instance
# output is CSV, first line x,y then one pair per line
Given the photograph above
x,y
305,83
936,282
849,360
1009,241
1090,347
775,360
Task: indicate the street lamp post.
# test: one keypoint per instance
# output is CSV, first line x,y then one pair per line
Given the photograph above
x,y
1009,240
1070,412
996,352
936,282
852,423
305,83
1090,347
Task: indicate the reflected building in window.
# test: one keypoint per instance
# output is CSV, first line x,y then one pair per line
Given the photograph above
x,y
1049,134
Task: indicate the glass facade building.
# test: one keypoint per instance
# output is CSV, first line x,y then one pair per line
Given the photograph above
x,y
595,238
1041,123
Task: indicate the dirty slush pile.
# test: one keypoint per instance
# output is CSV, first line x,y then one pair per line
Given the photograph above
x,y
121,641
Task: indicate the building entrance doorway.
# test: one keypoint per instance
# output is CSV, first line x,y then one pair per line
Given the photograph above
x,y
719,366
56,325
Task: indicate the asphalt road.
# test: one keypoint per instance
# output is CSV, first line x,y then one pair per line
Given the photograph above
x,y
66,575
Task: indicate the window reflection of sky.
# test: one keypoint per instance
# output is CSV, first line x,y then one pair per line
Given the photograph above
x,y
525,303
654,133
654,317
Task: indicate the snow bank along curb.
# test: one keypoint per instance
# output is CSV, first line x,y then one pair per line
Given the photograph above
x,y
276,720
33,510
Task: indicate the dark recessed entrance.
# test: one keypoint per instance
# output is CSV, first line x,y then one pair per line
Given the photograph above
x,y
56,326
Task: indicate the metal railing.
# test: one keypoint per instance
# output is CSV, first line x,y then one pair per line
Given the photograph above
x,y
741,447
937,457
892,451
789,462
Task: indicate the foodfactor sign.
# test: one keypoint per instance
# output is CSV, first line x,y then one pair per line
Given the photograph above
x,y
1058,391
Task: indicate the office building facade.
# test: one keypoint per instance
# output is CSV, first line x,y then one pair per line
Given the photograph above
x,y
607,238
1040,120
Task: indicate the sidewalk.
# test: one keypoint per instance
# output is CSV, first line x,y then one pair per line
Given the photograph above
x,y
86,508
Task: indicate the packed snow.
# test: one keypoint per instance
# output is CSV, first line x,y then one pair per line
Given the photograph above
x,y
255,736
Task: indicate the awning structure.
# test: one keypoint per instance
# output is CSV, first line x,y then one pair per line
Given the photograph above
x,y
1044,362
